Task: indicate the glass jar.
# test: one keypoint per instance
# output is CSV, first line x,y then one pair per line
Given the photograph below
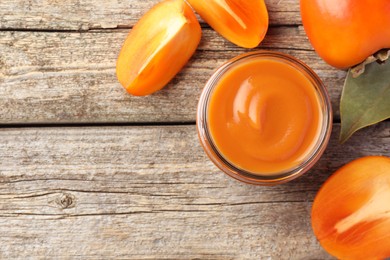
x,y
258,178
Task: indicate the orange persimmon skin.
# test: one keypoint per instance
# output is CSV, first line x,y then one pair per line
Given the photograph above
x,y
351,212
242,22
345,32
158,46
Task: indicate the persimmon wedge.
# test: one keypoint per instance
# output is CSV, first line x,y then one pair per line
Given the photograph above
x,y
157,48
242,22
351,212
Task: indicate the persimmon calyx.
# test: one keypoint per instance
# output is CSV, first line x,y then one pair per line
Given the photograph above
x,y
380,56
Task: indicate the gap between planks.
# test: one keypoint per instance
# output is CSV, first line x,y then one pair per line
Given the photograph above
x,y
102,124
116,28
108,124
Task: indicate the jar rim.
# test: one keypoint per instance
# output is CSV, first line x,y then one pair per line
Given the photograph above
x,y
256,178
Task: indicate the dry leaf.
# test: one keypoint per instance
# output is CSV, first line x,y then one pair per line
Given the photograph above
x,y
366,99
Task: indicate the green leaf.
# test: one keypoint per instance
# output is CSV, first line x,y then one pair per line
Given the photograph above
x,y
366,99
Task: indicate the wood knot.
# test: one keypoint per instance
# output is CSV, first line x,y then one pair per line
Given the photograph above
x,y
66,201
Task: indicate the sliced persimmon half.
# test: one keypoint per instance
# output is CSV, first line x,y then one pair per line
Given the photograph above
x,y
351,212
158,47
244,23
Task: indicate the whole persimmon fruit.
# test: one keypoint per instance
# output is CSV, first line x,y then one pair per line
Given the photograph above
x,y
345,32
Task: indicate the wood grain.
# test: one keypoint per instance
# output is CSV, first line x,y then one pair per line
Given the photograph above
x,y
150,192
139,192
89,14
70,77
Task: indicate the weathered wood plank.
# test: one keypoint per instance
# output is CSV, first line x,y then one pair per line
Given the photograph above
x,y
150,192
70,77
89,14
211,233
131,157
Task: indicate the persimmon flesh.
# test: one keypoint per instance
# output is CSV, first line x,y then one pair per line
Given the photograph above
x,y
158,46
345,32
244,23
351,212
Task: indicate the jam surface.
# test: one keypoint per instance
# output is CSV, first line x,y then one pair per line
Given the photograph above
x,y
264,116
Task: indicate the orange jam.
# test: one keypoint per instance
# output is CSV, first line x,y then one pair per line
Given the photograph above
x,y
264,116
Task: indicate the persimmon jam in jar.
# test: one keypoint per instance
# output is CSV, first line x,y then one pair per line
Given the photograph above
x,y
264,118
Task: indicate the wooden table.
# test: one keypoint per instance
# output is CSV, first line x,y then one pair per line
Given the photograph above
x,y
88,171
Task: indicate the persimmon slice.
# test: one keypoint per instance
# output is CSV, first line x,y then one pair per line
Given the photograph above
x,y
351,212
244,23
158,46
